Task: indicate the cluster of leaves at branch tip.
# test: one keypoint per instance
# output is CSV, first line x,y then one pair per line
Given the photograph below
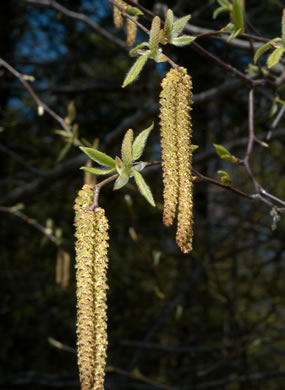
x,y
176,132
151,50
118,18
226,155
91,280
235,9
127,166
278,44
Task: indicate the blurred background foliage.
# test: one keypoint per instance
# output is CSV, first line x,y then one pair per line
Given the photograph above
x,y
214,319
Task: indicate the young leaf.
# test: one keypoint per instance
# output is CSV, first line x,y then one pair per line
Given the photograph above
x,y
275,57
154,35
182,41
168,25
139,142
71,112
236,32
225,178
139,167
64,151
99,157
136,50
63,133
133,11
224,154
135,70
126,150
122,180
219,10
237,15
262,49
143,187
98,171
119,165
224,3
179,25
194,147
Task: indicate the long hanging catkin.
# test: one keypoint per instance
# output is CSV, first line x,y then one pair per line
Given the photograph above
x,y
91,265
175,123
118,22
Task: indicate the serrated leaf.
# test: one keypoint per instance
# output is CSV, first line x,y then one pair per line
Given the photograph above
x,y
225,178
98,171
224,154
168,25
179,25
238,15
100,157
122,180
135,70
140,141
219,10
143,187
154,35
182,41
135,51
133,11
275,57
126,150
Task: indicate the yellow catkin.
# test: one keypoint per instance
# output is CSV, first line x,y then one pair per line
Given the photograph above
x,y
168,133
117,14
118,19
91,267
131,32
85,234
100,271
175,122
184,233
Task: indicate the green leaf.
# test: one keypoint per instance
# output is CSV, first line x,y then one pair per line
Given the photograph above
x,y
154,35
143,187
252,69
63,133
280,101
275,57
139,167
122,180
135,70
168,25
224,154
126,150
194,147
98,171
133,11
100,157
119,165
224,3
64,151
71,112
182,41
219,10
136,50
238,15
225,178
140,141
179,25
236,32
273,109
264,48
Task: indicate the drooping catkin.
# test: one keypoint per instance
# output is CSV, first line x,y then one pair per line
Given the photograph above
x,y
91,264
175,122
118,18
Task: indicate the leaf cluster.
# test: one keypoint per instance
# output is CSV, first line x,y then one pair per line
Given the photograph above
x,y
127,166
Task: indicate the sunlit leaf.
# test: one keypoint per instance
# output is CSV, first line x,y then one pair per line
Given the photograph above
x,y
139,167
264,48
135,70
140,141
275,57
126,150
179,25
238,15
100,157
122,180
225,178
224,154
98,171
194,147
168,25
133,11
154,35
119,165
143,187
182,41
136,50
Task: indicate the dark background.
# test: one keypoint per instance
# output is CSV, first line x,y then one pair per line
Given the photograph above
x,y
213,319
